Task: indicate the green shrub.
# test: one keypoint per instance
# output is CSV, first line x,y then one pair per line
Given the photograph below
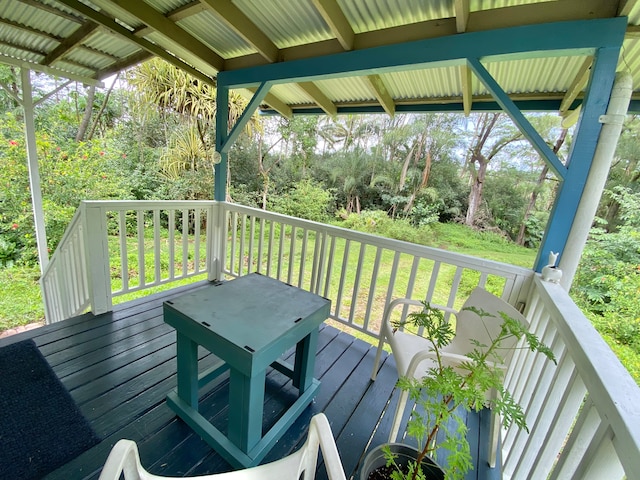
x,y
307,199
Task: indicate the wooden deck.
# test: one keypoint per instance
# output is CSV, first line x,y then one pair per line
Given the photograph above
x,y
119,367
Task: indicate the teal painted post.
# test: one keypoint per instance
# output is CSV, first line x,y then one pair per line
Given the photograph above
x,y
222,132
246,405
305,361
581,155
187,358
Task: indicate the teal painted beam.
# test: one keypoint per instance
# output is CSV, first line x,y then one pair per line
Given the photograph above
x,y
251,107
222,129
581,155
543,40
518,118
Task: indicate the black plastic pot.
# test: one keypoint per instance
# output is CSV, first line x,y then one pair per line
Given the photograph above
x,y
403,455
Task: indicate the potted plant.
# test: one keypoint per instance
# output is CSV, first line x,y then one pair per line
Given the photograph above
x,y
469,382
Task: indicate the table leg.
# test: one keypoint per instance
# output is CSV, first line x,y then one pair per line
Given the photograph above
x,y
187,370
305,361
246,405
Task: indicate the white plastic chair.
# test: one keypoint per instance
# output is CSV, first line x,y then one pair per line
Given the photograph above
x,y
414,356
124,459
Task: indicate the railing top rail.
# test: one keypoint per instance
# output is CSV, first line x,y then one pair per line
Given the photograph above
x,y
489,266
610,386
146,204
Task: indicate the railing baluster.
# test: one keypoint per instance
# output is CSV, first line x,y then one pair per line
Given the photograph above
x,y
157,275
260,246
196,240
281,250
124,258
292,257
172,240
141,256
185,242
270,249
252,233
372,289
356,284
345,263
303,257
241,256
332,251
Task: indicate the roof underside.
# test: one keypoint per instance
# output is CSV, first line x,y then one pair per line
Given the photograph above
x,y
91,40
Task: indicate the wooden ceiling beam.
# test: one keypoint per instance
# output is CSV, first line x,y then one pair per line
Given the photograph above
x,y
483,20
577,86
337,21
71,42
467,92
625,7
461,9
319,97
171,31
113,26
272,100
233,17
382,93
176,15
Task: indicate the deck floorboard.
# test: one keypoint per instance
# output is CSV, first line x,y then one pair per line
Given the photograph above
x,y
119,367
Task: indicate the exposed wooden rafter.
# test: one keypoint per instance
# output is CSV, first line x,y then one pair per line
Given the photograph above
x,y
577,86
272,100
625,7
233,17
338,23
461,9
319,97
113,26
467,92
176,15
71,42
382,94
172,32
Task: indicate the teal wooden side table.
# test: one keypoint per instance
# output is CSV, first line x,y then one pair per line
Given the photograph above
x,y
248,322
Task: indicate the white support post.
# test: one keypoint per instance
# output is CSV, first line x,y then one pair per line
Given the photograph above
x,y
607,142
97,248
216,241
34,171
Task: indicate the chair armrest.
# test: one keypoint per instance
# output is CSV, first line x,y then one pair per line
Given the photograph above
x,y
330,454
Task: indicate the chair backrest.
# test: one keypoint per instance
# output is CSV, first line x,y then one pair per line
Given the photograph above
x,y
469,325
124,458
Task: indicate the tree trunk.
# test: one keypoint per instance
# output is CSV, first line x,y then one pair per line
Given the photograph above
x,y
102,108
475,197
86,118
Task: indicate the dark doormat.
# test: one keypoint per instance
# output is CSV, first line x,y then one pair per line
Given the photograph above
x,y
41,427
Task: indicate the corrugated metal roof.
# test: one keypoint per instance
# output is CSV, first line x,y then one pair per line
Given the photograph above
x,y
223,40
287,23
209,36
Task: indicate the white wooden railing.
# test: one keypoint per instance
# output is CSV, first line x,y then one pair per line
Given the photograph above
x,y
112,248
583,413
359,272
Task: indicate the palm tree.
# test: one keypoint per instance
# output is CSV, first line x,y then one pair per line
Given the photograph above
x,y
172,90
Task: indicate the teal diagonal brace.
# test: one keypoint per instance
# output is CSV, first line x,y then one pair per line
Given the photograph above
x,y
518,118
253,104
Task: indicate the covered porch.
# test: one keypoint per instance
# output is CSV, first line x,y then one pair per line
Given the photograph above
x,y
581,413
336,58
120,365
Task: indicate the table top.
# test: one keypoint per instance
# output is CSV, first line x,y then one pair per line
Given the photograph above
x,y
252,312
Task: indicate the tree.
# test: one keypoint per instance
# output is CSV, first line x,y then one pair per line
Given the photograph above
x,y
492,133
173,91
